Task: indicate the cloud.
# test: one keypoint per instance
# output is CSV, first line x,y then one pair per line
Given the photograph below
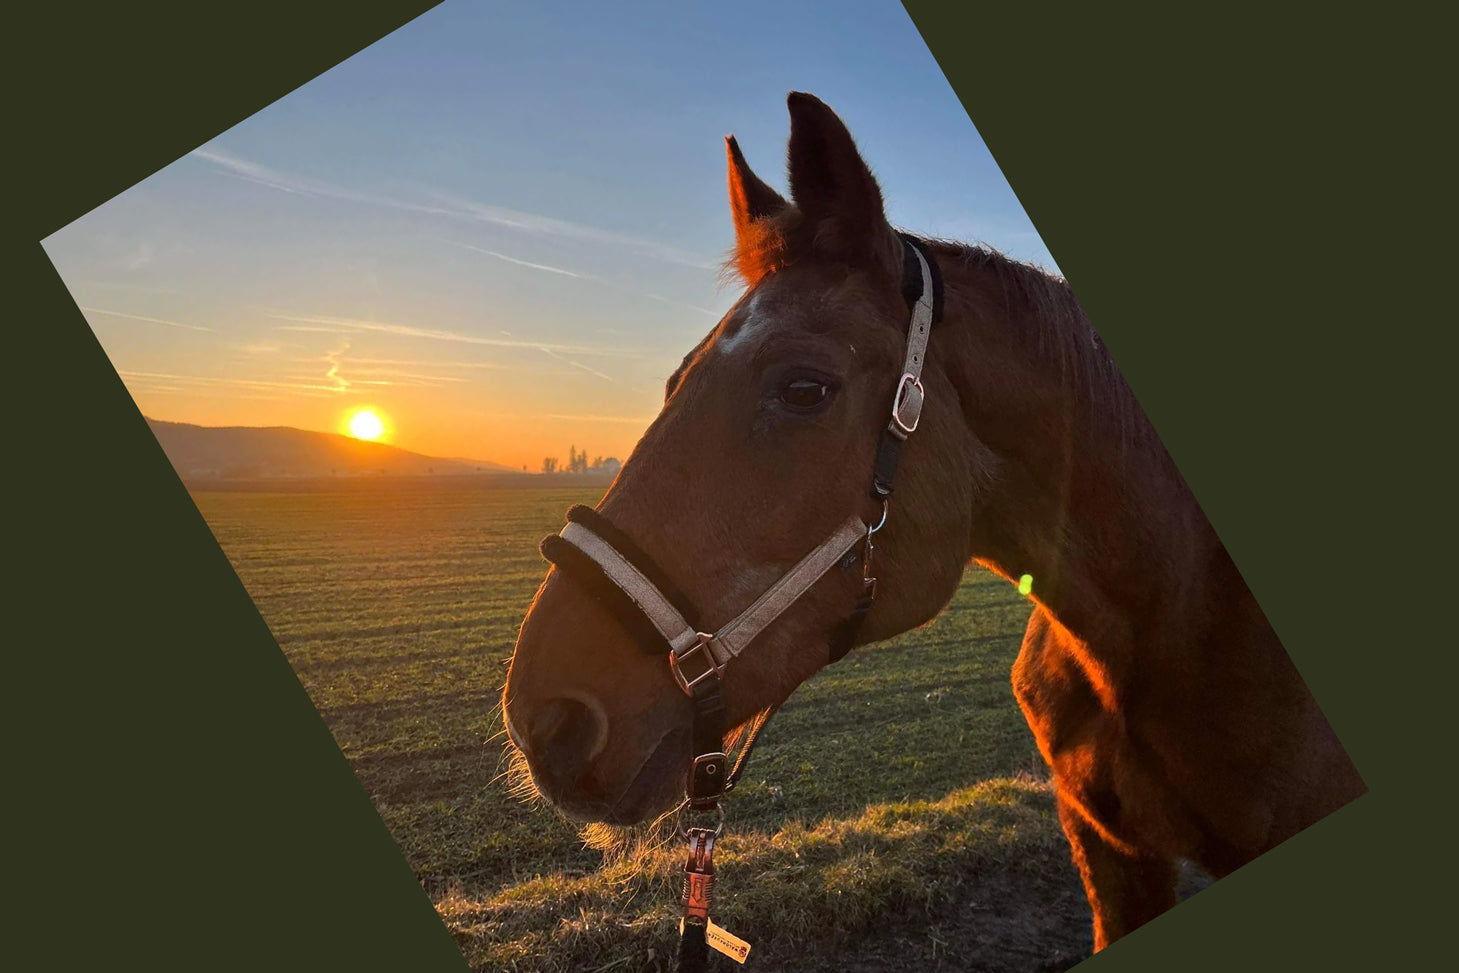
x,y
630,420
378,372
564,229
333,383
386,380
582,276
591,371
272,178
386,376
526,263
159,381
453,207
337,325
693,307
140,257
418,363
334,366
143,317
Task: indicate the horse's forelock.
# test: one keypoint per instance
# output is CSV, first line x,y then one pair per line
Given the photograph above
x,y
761,248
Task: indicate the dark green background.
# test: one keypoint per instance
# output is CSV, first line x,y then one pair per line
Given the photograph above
x,y
174,802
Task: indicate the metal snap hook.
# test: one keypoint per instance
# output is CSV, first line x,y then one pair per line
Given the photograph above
x,y
885,504
684,831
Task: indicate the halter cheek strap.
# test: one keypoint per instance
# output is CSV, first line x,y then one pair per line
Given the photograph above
x,y
922,287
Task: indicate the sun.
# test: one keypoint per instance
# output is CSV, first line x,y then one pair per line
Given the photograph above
x,y
366,424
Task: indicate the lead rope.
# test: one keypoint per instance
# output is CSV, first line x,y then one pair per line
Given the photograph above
x,y
697,897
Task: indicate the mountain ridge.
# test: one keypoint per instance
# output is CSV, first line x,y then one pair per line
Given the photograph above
x,y
285,452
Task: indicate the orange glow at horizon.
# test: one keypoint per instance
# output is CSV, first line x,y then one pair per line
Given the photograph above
x,y
429,423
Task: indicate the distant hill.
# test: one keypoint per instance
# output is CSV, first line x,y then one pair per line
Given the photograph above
x,y
281,452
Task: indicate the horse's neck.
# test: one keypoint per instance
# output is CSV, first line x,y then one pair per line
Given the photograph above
x,y
1082,495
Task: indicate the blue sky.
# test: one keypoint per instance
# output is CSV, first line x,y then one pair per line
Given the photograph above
x,y
501,226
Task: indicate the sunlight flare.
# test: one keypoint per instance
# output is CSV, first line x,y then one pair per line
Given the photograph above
x,y
365,424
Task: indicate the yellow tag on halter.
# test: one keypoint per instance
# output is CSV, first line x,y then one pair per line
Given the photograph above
x,y
726,942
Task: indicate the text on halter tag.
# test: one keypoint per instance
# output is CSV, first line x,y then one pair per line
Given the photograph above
x,y
726,942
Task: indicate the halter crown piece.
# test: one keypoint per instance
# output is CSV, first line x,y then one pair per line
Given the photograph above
x,y
645,601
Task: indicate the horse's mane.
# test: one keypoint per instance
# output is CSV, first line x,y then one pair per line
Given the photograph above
x,y
1047,321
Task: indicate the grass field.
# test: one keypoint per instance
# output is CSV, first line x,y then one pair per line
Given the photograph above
x,y
857,841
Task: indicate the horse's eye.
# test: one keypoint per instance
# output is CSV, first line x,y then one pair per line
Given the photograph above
x,y
804,394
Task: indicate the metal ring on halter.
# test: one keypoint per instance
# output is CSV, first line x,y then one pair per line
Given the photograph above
x,y
886,501
684,832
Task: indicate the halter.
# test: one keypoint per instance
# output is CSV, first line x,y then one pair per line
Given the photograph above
x,y
643,599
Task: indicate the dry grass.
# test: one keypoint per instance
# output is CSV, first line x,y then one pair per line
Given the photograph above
x,y
803,890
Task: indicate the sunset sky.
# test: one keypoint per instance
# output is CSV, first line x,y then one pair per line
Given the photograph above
x,y
501,226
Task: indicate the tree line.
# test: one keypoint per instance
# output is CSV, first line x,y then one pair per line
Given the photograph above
x,y
578,463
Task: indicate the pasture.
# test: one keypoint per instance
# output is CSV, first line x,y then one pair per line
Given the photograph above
x,y
894,815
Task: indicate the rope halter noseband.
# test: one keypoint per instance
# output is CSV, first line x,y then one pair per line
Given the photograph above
x,y
642,597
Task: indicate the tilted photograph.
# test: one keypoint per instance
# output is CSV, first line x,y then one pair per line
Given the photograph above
x,y
703,515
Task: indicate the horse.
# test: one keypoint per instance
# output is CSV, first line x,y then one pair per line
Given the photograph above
x,y
1174,725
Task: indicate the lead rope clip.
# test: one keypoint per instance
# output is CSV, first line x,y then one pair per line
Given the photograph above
x,y
868,582
698,894
697,898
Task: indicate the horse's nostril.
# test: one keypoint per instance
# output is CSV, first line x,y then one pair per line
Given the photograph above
x,y
564,735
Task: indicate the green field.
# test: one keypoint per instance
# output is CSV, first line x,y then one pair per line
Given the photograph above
x,y
857,840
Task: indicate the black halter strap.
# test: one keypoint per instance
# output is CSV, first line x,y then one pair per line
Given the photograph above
x,y
889,449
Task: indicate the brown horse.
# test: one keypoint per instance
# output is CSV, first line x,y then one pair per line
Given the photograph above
x,y
1174,724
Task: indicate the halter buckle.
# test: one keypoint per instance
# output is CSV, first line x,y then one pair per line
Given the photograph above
x,y
687,681
906,402
707,780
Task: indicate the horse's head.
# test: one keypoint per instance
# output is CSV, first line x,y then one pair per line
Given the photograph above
x,y
765,444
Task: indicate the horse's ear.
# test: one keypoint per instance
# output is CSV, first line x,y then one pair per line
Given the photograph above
x,y
750,198
829,181
758,245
